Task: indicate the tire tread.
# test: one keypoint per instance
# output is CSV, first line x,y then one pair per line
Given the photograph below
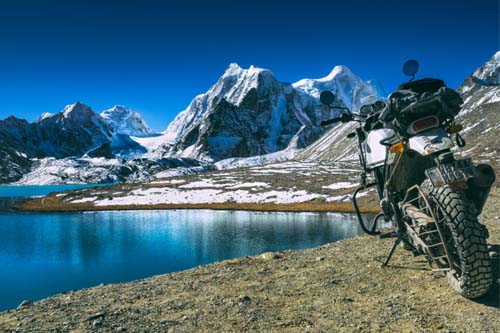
x,y
469,237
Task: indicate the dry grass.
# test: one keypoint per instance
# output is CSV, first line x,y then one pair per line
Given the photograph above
x,y
54,204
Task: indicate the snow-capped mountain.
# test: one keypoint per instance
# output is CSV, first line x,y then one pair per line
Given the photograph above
x,y
124,120
488,72
75,131
348,88
248,112
71,132
480,113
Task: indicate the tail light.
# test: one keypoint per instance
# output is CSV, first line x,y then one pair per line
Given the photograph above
x,y
423,124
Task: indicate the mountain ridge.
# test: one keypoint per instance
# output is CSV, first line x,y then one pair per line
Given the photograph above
x,y
247,113
73,132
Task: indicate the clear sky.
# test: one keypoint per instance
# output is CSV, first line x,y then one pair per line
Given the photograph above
x,y
155,56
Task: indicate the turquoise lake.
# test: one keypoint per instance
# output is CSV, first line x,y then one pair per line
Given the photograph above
x,y
42,254
35,190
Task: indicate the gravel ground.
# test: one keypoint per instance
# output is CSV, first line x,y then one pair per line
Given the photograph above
x,y
336,287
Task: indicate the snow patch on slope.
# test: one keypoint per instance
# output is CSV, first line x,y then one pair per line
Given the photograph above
x,y
232,163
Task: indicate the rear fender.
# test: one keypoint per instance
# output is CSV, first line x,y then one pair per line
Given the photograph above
x,y
480,186
430,142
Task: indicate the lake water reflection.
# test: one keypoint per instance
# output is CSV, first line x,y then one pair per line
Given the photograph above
x,y
43,254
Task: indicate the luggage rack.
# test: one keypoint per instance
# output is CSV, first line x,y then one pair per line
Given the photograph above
x,y
423,222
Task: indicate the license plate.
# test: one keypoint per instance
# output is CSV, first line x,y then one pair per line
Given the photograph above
x,y
452,173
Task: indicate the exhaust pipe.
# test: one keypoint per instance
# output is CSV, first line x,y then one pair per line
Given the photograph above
x,y
480,186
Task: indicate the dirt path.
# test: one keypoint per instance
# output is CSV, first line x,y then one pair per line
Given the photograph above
x,y
336,287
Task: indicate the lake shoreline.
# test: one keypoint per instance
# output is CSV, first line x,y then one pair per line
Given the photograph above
x,y
336,287
53,204
288,187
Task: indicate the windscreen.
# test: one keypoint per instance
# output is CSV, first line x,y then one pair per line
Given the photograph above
x,y
368,93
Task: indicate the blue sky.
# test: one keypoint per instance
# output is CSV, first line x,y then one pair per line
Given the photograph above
x,y
155,56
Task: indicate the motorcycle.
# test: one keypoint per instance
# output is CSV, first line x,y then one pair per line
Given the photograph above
x,y
430,198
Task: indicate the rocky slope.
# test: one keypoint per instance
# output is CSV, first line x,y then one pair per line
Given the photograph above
x,y
332,146
480,114
14,161
338,287
100,170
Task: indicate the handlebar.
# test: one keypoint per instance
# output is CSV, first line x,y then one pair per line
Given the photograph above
x,y
330,121
345,117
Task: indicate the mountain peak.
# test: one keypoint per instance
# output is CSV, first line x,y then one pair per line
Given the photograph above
x,y
44,115
119,108
124,120
496,56
236,81
490,69
236,70
347,86
336,71
233,67
76,108
488,72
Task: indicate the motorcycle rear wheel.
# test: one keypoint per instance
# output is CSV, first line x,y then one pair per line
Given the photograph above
x,y
471,273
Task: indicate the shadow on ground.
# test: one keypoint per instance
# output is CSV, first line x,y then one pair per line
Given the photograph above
x,y
492,298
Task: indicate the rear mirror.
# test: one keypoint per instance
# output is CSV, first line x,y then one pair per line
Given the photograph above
x,y
365,110
410,67
327,97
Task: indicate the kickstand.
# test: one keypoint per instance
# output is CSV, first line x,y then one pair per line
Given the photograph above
x,y
391,252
